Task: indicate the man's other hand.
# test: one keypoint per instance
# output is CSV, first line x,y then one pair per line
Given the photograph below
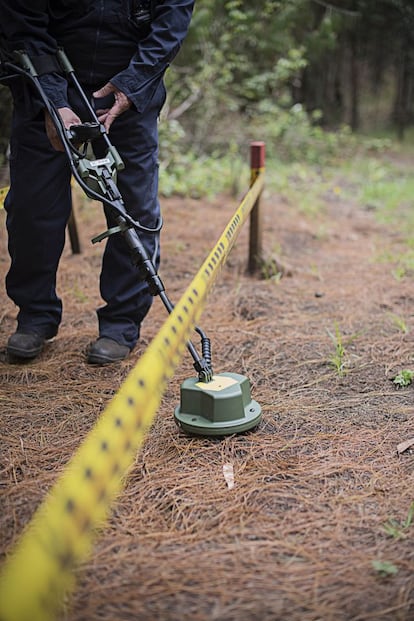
x,y
121,104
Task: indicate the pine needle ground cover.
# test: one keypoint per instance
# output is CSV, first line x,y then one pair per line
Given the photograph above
x,y
318,524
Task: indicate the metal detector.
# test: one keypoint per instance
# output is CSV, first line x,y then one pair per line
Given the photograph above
x,y
212,405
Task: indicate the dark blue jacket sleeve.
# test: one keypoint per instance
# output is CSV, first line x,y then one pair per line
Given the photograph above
x,y
155,52
24,25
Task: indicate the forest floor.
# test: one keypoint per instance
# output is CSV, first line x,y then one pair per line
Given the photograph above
x,y
317,526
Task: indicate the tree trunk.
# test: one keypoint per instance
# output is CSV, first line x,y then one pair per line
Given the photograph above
x,y
401,103
354,82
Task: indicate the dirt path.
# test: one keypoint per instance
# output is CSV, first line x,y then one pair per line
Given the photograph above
x,y
296,538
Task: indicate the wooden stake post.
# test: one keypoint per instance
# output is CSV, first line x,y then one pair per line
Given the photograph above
x,y
257,164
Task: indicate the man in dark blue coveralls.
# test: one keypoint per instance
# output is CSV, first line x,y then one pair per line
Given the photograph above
x,y
120,50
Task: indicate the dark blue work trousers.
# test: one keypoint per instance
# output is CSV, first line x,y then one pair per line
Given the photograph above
x,y
38,206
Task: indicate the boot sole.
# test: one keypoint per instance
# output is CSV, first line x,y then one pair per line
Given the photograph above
x,y
24,354
96,359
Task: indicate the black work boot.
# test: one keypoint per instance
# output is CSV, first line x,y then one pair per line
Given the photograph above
x,y
25,345
105,351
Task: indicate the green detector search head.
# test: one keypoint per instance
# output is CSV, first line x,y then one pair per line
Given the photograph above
x,y
220,407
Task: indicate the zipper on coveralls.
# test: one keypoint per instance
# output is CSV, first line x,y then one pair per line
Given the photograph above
x,y
97,36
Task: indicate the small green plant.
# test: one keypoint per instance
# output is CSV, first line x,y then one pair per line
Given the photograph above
x,y
314,271
399,273
399,322
337,360
271,270
78,293
404,378
385,568
397,530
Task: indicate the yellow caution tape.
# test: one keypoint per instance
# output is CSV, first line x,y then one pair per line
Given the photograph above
x,y
3,194
40,571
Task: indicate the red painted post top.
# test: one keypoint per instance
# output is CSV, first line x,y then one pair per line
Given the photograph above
x,y
257,155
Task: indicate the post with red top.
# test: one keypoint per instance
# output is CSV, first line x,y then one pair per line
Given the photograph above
x,y
257,165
